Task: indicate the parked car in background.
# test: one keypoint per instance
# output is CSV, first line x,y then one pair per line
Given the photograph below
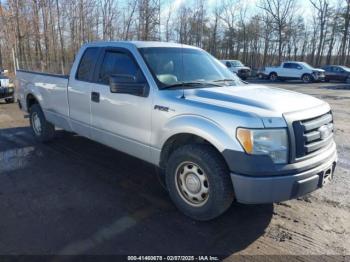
x,y
175,106
293,70
7,91
337,73
237,67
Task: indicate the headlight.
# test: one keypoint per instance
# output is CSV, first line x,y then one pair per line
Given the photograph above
x,y
272,142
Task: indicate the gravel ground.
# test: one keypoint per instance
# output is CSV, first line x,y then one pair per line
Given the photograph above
x,y
74,196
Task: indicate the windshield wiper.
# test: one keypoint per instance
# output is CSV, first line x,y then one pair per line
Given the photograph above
x,y
224,80
190,84
230,80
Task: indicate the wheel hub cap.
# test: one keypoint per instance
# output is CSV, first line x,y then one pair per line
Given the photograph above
x,y
36,124
192,184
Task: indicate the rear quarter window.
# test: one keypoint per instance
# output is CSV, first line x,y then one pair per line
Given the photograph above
x,y
87,63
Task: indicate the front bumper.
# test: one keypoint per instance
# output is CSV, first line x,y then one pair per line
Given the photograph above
x,y
244,74
6,93
319,77
276,187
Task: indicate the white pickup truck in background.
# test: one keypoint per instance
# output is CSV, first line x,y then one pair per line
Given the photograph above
x,y
294,71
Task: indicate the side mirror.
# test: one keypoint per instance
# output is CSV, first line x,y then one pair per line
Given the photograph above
x,y
228,65
127,84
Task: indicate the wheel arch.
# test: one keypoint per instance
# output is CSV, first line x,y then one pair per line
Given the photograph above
x,y
31,99
200,131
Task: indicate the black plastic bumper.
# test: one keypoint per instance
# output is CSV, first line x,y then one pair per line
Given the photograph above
x,y
264,182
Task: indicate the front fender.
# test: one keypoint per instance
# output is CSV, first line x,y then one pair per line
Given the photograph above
x,y
199,126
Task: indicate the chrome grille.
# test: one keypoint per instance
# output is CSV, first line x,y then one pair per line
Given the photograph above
x,y
313,134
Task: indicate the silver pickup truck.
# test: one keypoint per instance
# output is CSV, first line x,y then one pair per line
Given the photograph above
x,y
216,138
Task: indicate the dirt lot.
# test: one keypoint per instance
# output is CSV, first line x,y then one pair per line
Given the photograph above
x,y
74,196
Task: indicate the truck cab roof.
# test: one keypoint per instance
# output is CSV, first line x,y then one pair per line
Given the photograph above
x,y
139,44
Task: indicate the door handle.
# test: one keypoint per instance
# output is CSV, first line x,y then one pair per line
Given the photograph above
x,y
95,97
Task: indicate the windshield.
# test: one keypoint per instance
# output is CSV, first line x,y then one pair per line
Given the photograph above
x,y
235,63
306,65
345,68
171,66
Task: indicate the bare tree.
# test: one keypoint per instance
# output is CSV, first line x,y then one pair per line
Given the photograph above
x,y
281,12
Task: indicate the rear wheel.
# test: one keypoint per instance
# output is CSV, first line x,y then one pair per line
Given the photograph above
x,y
42,130
273,77
198,181
307,78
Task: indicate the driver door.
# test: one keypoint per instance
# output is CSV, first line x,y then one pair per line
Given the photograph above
x,y
122,121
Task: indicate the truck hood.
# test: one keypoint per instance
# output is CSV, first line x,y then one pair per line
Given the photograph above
x,y
257,99
241,67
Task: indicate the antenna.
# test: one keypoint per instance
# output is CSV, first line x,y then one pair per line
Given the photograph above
x,y
183,71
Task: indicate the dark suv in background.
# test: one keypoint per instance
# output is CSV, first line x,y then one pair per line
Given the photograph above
x,y
7,91
337,73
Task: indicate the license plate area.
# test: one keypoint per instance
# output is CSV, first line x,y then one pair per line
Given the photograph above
x,y
326,176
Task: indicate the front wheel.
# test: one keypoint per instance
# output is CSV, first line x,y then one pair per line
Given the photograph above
x,y
198,182
42,130
307,78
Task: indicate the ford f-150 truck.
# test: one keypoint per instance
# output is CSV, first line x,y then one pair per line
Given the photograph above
x,y
294,71
217,138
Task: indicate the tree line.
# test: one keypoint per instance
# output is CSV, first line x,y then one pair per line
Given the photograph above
x,y
46,34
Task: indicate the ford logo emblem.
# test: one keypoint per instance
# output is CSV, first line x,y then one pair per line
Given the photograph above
x,y
325,131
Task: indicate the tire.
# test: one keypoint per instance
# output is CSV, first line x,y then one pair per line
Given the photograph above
x,y
43,131
273,77
347,80
327,80
307,78
10,100
208,173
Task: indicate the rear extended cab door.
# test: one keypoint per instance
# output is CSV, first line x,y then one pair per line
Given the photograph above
x,y
79,89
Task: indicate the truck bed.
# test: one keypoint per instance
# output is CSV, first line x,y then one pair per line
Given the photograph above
x,y
49,89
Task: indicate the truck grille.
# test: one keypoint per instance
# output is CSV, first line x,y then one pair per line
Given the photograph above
x,y
313,134
244,71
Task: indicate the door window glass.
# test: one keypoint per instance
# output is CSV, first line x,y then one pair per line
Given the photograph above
x,y
117,63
